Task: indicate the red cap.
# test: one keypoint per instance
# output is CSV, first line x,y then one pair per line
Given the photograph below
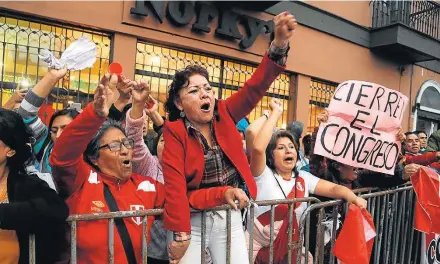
x,y
115,68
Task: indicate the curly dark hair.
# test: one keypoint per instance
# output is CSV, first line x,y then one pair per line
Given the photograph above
x,y
180,81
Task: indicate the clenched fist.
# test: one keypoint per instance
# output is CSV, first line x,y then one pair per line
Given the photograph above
x,y
285,24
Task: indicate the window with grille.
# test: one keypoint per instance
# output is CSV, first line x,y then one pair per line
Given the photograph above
x,y
22,39
158,64
321,92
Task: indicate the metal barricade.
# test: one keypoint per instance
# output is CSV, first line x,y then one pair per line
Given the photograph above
x,y
272,204
393,215
392,211
74,219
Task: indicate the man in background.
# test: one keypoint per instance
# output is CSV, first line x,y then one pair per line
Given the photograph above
x,y
423,140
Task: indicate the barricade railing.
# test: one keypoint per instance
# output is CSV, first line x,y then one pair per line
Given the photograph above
x,y
392,212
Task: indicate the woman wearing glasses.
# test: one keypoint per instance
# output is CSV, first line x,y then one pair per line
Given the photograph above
x,y
102,180
204,163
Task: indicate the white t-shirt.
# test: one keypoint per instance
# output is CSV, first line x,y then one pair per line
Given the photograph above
x,y
268,189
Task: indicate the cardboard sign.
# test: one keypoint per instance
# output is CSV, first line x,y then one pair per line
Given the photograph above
x,y
364,119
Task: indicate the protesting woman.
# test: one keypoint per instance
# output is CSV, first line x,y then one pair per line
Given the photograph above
x,y
45,136
145,163
102,180
27,204
204,163
273,163
350,177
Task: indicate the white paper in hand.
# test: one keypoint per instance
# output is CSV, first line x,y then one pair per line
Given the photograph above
x,y
80,54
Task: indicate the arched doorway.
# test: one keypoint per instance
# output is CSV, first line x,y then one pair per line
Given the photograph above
x,y
427,108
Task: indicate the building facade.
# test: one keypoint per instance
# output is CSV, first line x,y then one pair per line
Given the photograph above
x,y
395,44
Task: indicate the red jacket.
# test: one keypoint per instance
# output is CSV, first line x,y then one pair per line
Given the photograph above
x,y
183,158
425,159
83,186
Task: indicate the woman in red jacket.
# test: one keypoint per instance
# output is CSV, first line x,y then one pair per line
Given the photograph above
x,y
102,180
204,163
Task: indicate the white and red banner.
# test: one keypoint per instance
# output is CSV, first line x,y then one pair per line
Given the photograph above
x,y
364,119
355,241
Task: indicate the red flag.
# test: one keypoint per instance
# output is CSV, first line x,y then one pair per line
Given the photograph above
x,y
427,210
355,241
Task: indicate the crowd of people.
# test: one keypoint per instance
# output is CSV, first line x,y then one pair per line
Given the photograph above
x,y
203,154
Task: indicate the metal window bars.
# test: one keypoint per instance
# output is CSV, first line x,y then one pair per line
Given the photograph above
x,y
321,93
22,39
392,211
159,64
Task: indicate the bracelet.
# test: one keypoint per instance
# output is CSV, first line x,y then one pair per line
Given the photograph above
x,y
266,115
181,236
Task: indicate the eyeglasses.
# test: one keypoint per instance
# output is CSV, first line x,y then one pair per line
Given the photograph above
x,y
195,90
117,145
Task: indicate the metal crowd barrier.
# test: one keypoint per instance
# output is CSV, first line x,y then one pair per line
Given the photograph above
x,y
393,215
392,211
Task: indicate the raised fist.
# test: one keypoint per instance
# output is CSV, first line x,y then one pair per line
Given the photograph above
x,y
141,92
284,25
276,106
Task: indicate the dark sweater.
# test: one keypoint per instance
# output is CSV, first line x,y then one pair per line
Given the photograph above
x,y
34,208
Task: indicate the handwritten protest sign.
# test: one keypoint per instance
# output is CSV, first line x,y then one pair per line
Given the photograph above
x,y
364,119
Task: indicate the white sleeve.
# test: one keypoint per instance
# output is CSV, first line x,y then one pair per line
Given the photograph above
x,y
310,179
263,176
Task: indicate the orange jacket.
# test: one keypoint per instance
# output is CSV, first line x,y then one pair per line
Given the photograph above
x,y
183,158
84,187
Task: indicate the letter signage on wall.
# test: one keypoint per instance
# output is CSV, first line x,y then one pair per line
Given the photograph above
x,y
181,13
364,119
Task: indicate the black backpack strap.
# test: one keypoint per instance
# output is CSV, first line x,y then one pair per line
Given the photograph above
x,y
120,226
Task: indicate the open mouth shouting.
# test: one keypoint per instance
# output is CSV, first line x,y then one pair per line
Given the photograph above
x,y
289,160
206,107
126,164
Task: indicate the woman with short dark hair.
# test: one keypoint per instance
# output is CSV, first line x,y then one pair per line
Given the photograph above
x,y
273,164
204,163
27,204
